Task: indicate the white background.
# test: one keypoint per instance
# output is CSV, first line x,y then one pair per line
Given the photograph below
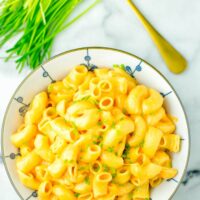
x,y
113,24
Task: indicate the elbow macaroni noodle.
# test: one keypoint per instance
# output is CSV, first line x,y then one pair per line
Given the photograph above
x,y
96,135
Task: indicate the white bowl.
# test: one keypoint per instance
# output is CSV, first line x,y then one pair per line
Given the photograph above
x,y
56,69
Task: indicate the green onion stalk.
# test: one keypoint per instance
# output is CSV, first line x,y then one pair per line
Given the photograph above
x,y
37,22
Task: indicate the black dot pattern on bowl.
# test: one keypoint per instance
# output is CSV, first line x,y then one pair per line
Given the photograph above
x,y
12,156
34,194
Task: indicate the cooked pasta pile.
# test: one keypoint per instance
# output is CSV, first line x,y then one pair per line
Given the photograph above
x,y
96,135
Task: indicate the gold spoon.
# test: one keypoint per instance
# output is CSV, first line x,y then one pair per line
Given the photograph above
x,y
173,59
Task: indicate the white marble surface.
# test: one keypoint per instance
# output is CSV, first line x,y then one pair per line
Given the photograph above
x,y
113,24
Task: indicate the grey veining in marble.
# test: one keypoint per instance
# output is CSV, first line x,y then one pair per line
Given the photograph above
x,y
113,24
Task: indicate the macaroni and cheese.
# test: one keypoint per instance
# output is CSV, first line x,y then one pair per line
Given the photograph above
x,y
96,135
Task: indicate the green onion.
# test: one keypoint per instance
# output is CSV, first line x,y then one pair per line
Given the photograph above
x,y
124,111
122,66
87,180
126,151
37,22
110,149
76,195
99,123
105,168
83,168
113,125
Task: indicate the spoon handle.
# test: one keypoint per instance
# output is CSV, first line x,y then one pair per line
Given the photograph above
x,y
173,59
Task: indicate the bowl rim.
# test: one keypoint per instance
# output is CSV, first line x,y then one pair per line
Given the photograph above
x,y
97,48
